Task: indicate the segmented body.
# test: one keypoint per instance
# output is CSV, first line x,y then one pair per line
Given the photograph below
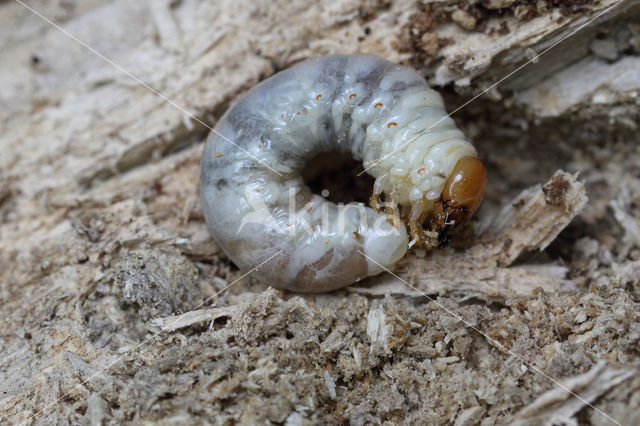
x,y
255,201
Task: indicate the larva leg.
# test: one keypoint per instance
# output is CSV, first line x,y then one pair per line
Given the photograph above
x,y
378,185
392,211
415,225
420,237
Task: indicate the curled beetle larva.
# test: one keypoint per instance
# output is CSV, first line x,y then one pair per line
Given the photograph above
x,y
257,205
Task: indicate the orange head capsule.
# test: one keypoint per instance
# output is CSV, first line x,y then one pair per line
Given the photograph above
x,y
461,196
466,184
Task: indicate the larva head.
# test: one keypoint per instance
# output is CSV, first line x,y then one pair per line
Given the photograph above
x,y
461,196
466,184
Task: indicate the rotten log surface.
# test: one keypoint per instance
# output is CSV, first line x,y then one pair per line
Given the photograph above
x,y
104,253
529,222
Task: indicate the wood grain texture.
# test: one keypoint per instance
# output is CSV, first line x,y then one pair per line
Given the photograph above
x,y
101,230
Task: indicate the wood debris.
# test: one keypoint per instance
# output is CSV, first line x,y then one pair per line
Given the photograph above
x,y
529,222
197,316
559,405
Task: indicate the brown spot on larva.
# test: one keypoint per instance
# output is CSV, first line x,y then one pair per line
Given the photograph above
x,y
377,105
217,154
353,95
318,97
555,191
222,183
393,123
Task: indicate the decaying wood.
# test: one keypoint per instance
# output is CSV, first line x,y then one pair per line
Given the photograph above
x,y
104,252
192,317
559,406
529,222
548,86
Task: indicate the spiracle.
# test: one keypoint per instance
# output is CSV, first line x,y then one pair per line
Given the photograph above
x,y
257,206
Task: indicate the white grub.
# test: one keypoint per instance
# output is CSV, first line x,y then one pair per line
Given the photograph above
x,y
256,203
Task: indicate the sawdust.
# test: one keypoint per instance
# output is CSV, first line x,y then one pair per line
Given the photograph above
x,y
118,308
474,16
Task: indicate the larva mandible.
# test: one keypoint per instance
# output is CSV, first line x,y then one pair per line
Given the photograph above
x,y
257,205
